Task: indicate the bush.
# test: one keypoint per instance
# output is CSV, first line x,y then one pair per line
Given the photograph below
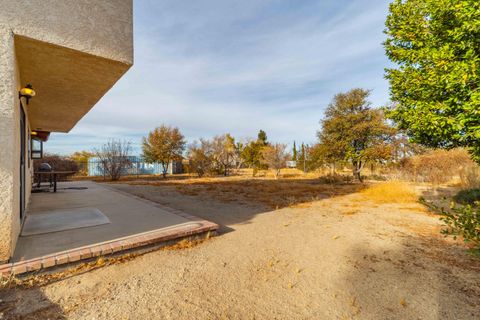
x,y
58,163
437,166
376,177
335,179
467,196
470,176
463,221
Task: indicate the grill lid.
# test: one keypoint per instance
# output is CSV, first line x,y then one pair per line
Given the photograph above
x,y
45,167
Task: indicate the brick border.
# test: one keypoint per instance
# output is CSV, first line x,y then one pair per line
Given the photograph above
x,y
195,227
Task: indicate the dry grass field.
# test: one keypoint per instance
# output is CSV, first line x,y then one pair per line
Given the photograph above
x,y
292,248
259,191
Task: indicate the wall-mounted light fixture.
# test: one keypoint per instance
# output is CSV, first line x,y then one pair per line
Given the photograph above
x,y
27,92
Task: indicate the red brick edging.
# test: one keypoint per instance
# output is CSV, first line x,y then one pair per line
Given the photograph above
x,y
194,227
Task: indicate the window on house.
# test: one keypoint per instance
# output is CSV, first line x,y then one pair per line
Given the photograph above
x,y
36,148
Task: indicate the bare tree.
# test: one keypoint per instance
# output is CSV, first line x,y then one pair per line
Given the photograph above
x,y
164,145
224,151
275,157
113,157
200,156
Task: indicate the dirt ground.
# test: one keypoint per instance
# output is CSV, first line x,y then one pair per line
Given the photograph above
x,y
327,252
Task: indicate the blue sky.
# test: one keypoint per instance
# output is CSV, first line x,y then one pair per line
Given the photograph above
x,y
216,66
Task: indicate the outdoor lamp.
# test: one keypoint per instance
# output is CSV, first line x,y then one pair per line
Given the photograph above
x,y
27,92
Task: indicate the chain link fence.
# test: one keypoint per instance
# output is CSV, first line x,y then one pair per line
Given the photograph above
x,y
136,166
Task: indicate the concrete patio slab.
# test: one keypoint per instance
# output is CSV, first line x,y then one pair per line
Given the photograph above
x,y
62,220
135,222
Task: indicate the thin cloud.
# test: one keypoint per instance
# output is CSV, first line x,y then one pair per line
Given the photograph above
x,y
218,66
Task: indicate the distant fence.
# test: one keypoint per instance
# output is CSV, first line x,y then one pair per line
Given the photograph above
x,y
137,166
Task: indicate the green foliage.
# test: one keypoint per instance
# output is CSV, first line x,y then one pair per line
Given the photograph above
x,y
354,132
301,158
262,138
294,151
467,196
251,153
436,45
463,221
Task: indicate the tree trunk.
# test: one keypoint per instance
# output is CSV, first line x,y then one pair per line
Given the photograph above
x,y
164,170
357,168
277,173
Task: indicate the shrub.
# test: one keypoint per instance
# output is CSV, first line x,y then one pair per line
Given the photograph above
x,y
470,176
463,221
437,166
57,162
200,157
335,179
468,196
376,177
114,158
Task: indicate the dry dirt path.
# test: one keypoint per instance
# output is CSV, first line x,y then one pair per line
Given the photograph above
x,y
337,258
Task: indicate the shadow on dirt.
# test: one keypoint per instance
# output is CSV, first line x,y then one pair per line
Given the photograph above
x,y
229,202
28,304
422,278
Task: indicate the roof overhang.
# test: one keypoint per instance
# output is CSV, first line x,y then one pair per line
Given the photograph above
x,y
67,82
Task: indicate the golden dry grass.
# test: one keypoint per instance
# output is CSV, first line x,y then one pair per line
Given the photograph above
x,y
391,192
273,193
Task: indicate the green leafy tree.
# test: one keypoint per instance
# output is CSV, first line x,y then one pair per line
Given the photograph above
x,y
164,145
252,156
252,152
435,88
354,132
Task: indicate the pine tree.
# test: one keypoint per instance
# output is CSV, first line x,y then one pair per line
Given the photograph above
x,y
262,137
294,157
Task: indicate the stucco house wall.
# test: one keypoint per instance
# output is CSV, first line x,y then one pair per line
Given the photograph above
x,y
86,36
102,28
9,201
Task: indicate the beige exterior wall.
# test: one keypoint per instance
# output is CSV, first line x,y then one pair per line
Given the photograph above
x,y
98,27
7,130
10,144
87,37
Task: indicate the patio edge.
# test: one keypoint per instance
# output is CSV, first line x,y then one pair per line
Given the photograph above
x,y
115,246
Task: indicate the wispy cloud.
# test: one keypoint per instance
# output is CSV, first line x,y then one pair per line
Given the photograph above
x,y
219,66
